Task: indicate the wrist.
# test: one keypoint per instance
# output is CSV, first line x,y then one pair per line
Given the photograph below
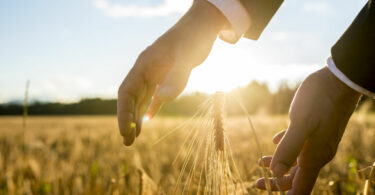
x,y
207,16
340,88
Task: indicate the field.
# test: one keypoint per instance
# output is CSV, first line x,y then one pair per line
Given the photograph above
x,y
85,155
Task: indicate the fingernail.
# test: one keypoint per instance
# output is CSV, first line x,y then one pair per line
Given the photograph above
x,y
129,140
290,192
261,161
279,170
260,183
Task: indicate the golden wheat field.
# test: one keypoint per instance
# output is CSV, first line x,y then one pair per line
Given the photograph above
x,y
85,155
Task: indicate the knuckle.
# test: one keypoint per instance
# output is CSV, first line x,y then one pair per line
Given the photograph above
x,y
304,120
317,158
120,90
156,58
152,54
146,52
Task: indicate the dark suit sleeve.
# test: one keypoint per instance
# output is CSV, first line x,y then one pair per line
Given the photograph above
x,y
354,52
261,12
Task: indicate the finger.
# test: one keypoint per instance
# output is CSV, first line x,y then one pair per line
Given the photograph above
x,y
142,107
154,107
129,139
304,181
174,83
304,116
283,183
289,148
277,138
171,87
139,103
125,113
142,111
265,161
128,94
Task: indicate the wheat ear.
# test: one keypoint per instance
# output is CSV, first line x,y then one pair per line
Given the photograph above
x,y
218,102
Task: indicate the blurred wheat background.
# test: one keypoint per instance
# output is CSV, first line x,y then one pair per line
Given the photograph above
x,y
84,155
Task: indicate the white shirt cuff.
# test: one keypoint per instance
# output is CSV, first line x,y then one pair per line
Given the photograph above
x,y
342,77
236,15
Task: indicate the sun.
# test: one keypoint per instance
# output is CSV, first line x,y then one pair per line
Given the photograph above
x,y
229,67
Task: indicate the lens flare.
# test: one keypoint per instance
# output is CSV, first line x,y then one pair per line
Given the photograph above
x,y
147,117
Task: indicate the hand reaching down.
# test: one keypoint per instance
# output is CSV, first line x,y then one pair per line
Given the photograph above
x,y
319,114
166,63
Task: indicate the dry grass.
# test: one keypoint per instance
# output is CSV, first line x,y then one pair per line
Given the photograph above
x,y
84,155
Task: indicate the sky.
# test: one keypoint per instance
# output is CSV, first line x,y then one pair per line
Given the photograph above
x,y
75,49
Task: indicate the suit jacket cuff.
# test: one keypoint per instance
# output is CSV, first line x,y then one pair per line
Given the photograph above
x,y
237,17
353,53
342,77
261,13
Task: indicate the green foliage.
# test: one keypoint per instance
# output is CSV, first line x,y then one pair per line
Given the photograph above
x,y
94,106
125,168
352,163
44,188
94,169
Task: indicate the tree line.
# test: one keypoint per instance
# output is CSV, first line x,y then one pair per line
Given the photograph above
x,y
256,98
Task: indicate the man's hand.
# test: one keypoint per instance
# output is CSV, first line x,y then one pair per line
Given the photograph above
x,y
167,63
319,114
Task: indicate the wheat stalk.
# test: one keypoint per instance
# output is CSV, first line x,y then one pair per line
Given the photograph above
x,y
206,160
218,120
367,187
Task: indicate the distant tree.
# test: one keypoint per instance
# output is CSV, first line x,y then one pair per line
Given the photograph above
x,y
256,97
253,97
186,105
280,101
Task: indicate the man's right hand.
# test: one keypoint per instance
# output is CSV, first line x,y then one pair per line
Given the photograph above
x,y
162,70
318,114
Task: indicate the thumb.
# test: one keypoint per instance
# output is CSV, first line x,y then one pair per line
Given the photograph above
x,y
173,84
304,118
